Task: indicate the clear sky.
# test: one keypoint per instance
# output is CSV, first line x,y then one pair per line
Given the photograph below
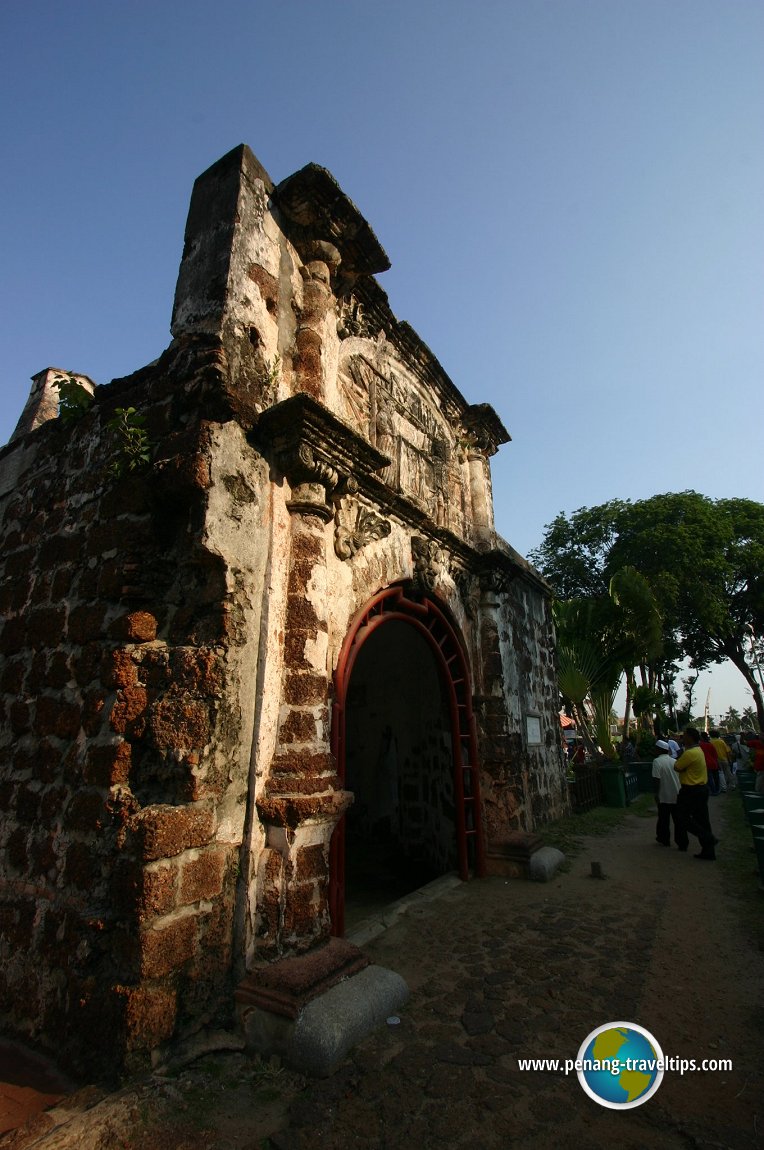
x,y
570,192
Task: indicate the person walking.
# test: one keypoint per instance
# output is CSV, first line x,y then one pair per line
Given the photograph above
x,y
724,755
756,758
692,801
712,762
666,786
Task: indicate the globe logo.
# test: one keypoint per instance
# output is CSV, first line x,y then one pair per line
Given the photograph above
x,y
620,1065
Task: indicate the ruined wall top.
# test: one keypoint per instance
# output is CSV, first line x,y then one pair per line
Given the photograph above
x,y
276,297
42,403
226,224
283,275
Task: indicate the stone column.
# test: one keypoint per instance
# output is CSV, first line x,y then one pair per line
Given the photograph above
x,y
484,433
317,303
303,798
480,494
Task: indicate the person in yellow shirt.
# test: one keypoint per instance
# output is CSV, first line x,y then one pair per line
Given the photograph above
x,y
692,800
725,761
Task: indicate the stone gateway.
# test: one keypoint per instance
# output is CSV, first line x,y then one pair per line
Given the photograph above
x,y
265,668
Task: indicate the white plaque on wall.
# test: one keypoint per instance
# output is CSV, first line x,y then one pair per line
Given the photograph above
x,y
533,730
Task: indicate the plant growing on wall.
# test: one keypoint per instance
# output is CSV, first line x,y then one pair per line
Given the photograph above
x,y
269,376
133,447
73,398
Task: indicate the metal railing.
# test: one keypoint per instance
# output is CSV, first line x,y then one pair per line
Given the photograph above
x,y
585,789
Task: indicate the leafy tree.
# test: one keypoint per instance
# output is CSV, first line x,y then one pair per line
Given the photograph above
x,y
684,714
745,722
644,702
703,559
637,639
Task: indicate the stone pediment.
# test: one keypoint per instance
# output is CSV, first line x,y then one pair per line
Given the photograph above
x,y
401,416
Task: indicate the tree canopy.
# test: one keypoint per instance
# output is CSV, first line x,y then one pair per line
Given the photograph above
x,y
703,560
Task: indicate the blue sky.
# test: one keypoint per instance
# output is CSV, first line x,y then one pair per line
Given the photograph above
x,y
570,193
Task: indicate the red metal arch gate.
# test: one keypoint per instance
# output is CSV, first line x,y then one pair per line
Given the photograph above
x,y
450,657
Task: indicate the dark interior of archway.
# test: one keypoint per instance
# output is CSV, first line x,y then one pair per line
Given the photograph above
x,y
401,829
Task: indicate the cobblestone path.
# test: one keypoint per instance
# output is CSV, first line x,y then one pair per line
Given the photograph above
x,y
500,971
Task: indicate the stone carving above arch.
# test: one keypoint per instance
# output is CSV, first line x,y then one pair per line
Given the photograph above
x,y
401,416
354,320
429,567
496,580
468,586
355,527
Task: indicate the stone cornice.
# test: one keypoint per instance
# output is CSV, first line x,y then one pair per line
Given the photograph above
x,y
500,558
310,444
315,206
484,428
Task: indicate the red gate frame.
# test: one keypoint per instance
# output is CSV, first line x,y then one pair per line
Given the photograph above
x,y
430,621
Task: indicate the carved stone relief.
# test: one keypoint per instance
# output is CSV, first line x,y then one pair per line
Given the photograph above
x,y
351,319
495,580
356,398
468,586
422,443
385,439
429,567
355,528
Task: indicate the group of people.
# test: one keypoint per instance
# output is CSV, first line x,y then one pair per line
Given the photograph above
x,y
685,778
682,781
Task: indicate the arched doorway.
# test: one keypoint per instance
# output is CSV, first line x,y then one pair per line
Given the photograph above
x,y
403,735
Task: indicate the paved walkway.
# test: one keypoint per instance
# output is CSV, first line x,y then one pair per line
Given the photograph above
x,y
500,971
506,971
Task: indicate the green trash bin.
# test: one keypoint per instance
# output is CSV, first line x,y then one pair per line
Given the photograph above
x,y
613,785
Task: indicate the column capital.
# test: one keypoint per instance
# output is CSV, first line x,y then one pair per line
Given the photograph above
x,y
321,457
484,430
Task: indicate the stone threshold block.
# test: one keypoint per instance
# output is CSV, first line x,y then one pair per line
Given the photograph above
x,y
521,854
311,1010
510,856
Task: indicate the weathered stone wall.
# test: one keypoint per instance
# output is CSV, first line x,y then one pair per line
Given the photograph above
x,y
171,636
521,783
129,655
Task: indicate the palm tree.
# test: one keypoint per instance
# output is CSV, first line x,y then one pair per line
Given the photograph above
x,y
748,721
587,677
599,639
641,639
